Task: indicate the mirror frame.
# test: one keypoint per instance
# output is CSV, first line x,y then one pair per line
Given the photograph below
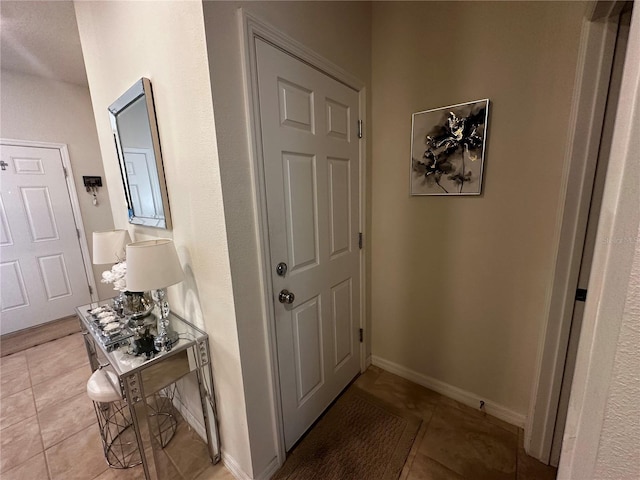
x,y
142,88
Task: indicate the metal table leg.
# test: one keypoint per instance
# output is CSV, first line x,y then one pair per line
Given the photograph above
x,y
136,400
207,398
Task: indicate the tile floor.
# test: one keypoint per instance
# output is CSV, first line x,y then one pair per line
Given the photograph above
x,y
48,428
455,442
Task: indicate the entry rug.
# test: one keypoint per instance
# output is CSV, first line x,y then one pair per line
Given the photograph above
x,y
360,437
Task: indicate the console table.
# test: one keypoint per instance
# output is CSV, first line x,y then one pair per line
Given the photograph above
x,y
141,376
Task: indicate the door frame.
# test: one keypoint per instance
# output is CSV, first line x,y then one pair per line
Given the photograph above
x,y
253,28
75,204
593,72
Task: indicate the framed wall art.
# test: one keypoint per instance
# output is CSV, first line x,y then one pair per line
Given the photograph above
x,y
447,149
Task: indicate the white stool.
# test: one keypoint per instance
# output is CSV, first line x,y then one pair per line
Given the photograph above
x,y
114,420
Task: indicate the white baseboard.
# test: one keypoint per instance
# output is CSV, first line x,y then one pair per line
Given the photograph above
x,y
468,398
367,362
233,467
268,472
229,462
190,418
237,472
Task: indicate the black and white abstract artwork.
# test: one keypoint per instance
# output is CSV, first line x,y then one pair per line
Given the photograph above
x,y
447,149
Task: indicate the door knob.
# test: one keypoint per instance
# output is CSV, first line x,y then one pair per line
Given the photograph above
x,y
285,296
281,269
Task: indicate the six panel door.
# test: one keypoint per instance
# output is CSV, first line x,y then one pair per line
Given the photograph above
x,y
311,166
41,268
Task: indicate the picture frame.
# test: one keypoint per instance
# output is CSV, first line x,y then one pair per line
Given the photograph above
x,y
448,149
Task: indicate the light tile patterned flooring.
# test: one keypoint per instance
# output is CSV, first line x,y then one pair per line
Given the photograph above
x,y
48,428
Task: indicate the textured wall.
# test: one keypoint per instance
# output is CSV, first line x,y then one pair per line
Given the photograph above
x,y
460,284
602,432
39,109
619,451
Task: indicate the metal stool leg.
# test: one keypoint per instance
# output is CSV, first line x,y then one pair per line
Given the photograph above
x,y
162,418
118,437
117,431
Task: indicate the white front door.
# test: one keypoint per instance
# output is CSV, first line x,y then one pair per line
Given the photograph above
x,y
41,267
141,170
311,165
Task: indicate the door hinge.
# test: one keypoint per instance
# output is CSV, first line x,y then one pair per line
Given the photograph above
x,y
359,128
581,295
360,240
90,289
361,335
66,174
78,232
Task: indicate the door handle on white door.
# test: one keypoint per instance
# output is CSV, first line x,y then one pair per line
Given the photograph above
x,y
285,296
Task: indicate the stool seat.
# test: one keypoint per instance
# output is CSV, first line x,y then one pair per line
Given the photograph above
x,y
100,387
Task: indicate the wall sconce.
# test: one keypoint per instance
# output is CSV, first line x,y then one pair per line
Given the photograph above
x,y
92,184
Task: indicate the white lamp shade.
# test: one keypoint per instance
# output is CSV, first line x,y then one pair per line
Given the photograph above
x,y
109,246
151,265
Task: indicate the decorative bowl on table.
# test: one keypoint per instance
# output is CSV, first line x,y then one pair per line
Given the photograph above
x,y
134,305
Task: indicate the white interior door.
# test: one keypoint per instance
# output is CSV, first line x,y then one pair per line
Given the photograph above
x,y
144,191
311,165
42,272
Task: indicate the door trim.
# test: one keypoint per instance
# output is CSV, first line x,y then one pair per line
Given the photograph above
x,y
253,28
75,205
593,72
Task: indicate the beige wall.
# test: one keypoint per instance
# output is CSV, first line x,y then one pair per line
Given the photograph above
x,y
460,285
43,110
165,41
340,32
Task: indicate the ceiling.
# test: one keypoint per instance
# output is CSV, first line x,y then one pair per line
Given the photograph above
x,y
41,38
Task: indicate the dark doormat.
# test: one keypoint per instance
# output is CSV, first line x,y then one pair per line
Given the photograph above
x,y
360,437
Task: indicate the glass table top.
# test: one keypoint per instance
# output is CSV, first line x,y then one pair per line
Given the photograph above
x,y
116,338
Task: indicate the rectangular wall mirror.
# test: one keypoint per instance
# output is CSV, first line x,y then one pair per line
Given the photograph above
x,y
135,131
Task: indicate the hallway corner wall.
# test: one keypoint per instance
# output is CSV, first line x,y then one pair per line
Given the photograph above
x,y
460,284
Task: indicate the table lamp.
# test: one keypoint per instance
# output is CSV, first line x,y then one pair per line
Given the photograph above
x,y
154,265
109,246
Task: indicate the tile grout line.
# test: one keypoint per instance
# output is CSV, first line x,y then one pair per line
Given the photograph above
x,y
15,393
37,416
44,451
44,455
20,464
419,437
76,433
73,368
433,414
59,401
417,440
65,438
517,452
